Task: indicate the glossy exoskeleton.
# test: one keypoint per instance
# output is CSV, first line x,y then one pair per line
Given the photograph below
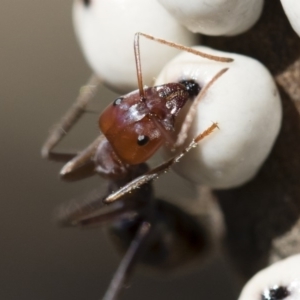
x,y
133,128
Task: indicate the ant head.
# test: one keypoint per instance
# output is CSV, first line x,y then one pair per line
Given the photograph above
x,y
129,129
137,126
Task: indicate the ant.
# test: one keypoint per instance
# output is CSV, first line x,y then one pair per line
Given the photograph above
x,y
134,127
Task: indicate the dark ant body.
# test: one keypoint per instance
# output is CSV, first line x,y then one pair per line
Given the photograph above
x,y
134,127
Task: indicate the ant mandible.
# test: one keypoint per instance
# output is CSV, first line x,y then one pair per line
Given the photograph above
x,y
133,128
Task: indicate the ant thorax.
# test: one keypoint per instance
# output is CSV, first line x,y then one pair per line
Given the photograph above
x,y
137,126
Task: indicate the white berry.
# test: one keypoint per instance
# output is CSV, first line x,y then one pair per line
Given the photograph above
x,y
106,28
215,17
246,105
292,10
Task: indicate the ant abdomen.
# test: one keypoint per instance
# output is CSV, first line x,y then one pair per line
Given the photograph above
x,y
176,238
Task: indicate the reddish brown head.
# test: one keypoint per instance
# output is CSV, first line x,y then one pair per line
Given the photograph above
x,y
137,127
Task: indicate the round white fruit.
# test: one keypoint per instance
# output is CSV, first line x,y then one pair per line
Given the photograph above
x,y
292,10
246,105
215,17
106,28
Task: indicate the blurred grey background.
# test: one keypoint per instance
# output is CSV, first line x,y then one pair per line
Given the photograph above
x,y
41,70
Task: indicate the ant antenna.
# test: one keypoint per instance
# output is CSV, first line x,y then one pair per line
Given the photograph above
x,y
137,57
187,49
171,44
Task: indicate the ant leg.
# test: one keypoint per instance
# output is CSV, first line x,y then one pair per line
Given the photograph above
x,y
84,158
69,119
193,109
128,262
94,212
163,168
91,211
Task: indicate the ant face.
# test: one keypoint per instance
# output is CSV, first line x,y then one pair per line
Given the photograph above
x,y
136,127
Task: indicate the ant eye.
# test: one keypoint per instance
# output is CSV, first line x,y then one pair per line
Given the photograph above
x,y
276,293
117,101
142,140
192,87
